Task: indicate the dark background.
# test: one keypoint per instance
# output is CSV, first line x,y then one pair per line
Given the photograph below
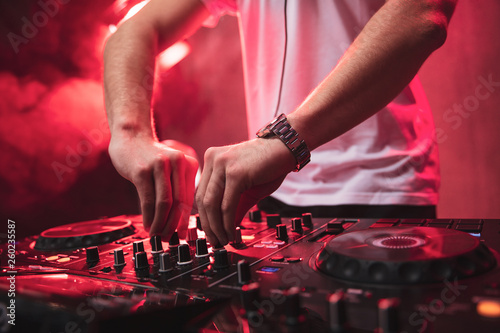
x,y
53,134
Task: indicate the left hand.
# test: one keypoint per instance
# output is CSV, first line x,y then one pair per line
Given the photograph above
x,y
234,179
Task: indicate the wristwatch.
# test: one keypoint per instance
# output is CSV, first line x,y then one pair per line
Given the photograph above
x,y
280,127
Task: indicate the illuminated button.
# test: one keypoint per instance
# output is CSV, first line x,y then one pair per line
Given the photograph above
x,y
278,258
62,260
271,246
259,245
294,259
489,308
52,258
279,242
267,242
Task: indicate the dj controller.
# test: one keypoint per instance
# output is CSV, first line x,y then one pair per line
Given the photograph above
x,y
300,274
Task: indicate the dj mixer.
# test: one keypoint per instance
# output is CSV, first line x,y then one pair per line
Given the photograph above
x,y
300,274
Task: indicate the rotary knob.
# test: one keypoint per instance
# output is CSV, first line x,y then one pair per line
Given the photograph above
x,y
138,247
337,313
273,220
281,232
297,225
220,259
192,236
92,254
244,275
388,315
119,258
307,220
201,248
174,241
165,263
141,264
250,299
183,255
237,237
255,215
156,245
293,312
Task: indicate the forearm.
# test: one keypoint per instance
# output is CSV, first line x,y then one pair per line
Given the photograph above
x,y
129,61
128,80
375,69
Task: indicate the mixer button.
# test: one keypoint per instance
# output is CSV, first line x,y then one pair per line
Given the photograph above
x,y
294,260
278,258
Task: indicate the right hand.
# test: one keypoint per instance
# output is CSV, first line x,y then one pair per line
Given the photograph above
x,y
164,179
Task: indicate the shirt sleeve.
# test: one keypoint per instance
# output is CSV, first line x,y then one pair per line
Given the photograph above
x,y
218,8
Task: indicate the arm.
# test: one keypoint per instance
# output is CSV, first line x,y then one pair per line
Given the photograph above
x,y
164,177
375,69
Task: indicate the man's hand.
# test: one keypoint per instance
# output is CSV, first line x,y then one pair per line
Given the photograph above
x,y
164,179
234,179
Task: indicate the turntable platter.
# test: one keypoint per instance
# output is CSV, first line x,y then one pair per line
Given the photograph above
x,y
404,255
83,234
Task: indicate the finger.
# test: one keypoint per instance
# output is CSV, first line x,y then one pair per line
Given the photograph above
x,y
178,182
230,203
191,171
146,191
163,201
212,204
200,195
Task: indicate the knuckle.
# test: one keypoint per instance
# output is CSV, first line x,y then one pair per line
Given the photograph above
x,y
163,203
175,157
208,202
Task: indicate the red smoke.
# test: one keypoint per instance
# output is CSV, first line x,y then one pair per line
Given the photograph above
x,y
53,125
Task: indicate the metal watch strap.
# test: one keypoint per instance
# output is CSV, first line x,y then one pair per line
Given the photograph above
x,y
283,130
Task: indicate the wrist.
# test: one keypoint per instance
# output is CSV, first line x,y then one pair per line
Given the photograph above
x,y
281,129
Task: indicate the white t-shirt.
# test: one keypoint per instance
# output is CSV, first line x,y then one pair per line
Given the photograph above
x,y
391,158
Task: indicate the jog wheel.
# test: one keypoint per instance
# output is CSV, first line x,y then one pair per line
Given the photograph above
x,y
83,234
404,256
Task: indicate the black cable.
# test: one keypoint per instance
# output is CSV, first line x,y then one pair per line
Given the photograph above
x,y
283,66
